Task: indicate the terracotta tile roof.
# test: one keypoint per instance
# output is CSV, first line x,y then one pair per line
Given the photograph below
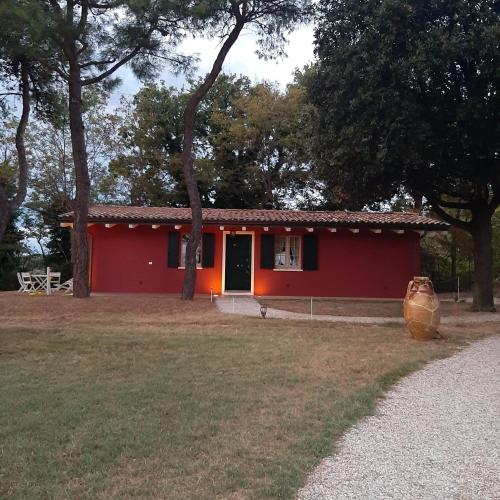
x,y
112,213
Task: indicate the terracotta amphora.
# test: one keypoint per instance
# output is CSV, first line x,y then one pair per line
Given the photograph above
x,y
421,309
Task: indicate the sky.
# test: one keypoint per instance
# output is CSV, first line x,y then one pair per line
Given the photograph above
x,y
242,59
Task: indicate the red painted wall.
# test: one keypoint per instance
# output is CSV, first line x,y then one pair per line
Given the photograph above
x,y
121,261
350,265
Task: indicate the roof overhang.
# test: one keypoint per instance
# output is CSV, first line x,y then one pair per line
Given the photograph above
x,y
438,226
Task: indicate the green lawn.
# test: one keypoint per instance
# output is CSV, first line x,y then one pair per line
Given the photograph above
x,y
153,397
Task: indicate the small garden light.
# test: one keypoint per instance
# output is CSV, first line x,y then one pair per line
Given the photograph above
x,y
263,311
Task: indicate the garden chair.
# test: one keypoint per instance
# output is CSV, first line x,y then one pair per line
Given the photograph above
x,y
66,286
22,286
27,283
53,282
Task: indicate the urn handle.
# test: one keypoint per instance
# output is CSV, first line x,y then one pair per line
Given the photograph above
x,y
410,286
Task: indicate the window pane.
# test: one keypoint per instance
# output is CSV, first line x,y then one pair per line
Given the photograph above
x,y
198,255
280,252
184,240
294,251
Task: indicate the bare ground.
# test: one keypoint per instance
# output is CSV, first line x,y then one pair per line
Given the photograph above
x,y
361,308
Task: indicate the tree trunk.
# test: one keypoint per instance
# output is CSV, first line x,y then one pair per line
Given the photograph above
x,y
5,214
187,163
8,208
453,260
481,232
79,241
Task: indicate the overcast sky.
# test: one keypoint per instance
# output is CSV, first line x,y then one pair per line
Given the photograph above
x,y
240,60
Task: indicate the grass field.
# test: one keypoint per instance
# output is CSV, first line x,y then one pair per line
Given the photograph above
x,y
151,397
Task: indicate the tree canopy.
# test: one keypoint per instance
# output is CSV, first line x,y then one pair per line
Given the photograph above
x,y
249,151
271,20
407,99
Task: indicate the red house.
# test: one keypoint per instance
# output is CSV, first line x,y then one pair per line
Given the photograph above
x,y
260,252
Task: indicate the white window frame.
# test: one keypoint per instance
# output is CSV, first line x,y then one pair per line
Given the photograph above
x,y
182,257
287,266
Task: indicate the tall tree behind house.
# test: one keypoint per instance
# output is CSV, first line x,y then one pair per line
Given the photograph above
x,y
250,146
271,20
23,82
407,94
86,42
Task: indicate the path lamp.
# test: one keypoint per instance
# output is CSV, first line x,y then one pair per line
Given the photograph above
x,y
263,311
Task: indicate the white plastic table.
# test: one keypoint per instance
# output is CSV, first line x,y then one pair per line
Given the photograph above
x,y
42,281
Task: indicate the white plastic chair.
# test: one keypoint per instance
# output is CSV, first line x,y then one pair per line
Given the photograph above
x,y
66,286
27,283
53,282
22,286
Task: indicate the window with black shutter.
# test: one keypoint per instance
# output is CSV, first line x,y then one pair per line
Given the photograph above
x,y
287,253
208,245
267,251
310,253
173,250
184,241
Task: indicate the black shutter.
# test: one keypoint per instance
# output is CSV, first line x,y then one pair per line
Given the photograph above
x,y
267,251
207,249
173,250
310,253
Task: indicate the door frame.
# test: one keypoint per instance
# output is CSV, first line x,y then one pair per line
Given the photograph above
x,y
252,259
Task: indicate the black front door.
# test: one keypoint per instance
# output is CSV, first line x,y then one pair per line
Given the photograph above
x,y
238,262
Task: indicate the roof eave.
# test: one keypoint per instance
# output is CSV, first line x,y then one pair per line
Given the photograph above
x,y
438,226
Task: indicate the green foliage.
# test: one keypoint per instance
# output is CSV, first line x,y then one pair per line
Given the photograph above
x,y
148,147
22,40
10,257
251,146
270,20
448,256
8,158
407,94
258,143
108,35
52,179
448,259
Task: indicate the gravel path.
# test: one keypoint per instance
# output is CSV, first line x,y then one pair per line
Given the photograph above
x,y
248,306
435,436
